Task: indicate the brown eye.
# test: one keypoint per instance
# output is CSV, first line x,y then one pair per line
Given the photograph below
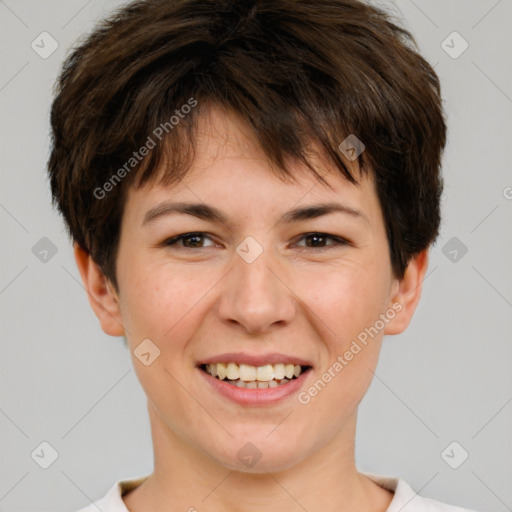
x,y
189,240
317,240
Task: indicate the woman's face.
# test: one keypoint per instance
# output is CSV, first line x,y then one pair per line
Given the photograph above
x,y
259,285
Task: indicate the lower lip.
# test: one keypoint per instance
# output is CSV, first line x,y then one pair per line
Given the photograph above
x,y
244,396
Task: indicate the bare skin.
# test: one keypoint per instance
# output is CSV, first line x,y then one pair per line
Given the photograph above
x,y
199,300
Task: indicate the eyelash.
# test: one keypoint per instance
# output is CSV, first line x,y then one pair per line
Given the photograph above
x,y
338,241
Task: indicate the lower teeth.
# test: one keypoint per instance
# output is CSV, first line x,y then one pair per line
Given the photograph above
x,y
257,384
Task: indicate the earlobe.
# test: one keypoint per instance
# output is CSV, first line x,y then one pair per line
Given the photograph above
x,y
407,296
100,292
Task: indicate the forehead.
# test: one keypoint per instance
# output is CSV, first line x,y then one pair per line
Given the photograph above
x,y
230,168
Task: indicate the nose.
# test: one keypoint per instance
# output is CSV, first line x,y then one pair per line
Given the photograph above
x,y
256,295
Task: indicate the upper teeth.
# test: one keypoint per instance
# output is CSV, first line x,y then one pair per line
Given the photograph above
x,y
246,372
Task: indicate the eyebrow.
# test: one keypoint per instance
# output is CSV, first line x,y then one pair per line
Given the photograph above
x,y
212,214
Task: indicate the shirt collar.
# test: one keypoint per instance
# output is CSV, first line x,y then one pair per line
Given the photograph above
x,y
403,493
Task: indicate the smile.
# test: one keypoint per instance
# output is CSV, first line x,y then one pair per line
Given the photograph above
x,y
254,377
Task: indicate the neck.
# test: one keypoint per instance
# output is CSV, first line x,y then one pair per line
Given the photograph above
x,y
186,478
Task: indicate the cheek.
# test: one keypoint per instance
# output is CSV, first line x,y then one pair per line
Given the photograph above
x,y
163,304
345,299
346,302
162,301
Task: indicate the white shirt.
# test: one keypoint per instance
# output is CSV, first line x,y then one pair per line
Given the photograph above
x,y
404,499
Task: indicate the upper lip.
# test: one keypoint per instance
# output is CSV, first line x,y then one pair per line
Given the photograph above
x,y
255,360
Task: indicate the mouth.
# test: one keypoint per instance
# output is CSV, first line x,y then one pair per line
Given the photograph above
x,y
255,377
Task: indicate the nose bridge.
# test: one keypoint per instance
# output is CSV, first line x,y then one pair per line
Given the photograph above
x,y
254,294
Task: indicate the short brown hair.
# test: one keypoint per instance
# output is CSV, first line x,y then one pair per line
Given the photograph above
x,y
314,71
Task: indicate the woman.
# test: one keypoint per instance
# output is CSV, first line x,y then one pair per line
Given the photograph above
x,y
252,188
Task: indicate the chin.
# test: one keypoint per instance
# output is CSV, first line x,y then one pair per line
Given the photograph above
x,y
259,455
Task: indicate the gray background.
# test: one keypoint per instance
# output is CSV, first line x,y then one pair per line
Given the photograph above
x,y
447,378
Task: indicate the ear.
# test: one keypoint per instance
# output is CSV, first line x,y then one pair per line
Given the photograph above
x,y
407,293
101,293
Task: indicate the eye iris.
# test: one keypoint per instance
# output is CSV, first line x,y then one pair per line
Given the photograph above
x,y
315,237
191,237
